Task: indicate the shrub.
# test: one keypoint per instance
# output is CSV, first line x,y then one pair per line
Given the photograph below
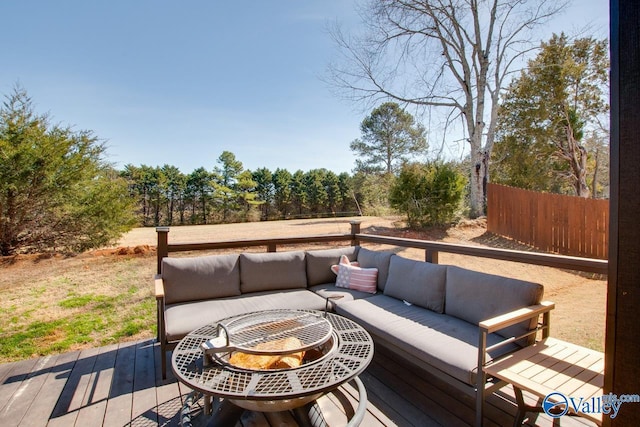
x,y
57,191
429,194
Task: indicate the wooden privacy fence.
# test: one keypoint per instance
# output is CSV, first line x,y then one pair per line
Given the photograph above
x,y
550,222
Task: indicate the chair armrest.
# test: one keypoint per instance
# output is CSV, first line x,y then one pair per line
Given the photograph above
x,y
516,316
159,287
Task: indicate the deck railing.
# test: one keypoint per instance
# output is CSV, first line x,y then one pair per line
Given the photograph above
x,y
431,248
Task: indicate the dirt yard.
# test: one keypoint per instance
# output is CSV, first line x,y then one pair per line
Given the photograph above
x,y
37,290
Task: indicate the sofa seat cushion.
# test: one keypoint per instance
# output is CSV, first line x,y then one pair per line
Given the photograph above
x,y
319,263
272,271
180,319
198,278
331,290
447,343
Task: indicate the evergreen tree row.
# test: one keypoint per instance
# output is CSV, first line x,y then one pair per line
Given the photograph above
x,y
229,193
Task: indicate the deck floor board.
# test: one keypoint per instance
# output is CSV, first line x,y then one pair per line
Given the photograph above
x,y
120,385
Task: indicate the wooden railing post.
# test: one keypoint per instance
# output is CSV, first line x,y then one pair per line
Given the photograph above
x,y
162,249
271,247
355,229
431,256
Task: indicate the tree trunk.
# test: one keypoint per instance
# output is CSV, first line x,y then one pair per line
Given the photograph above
x,y
581,184
594,183
170,211
145,209
478,184
7,232
577,156
204,210
479,168
156,214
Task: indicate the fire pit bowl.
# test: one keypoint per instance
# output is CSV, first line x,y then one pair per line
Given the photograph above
x,y
275,405
313,356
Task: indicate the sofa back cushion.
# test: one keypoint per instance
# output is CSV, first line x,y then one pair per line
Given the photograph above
x,y
200,278
420,283
319,264
272,271
475,296
376,259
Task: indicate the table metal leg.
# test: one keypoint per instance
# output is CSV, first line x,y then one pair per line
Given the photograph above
x,y
225,414
207,404
301,414
303,418
361,410
185,412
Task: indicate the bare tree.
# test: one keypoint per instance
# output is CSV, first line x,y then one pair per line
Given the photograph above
x,y
450,54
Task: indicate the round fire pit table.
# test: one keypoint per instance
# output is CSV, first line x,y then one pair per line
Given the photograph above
x,y
344,351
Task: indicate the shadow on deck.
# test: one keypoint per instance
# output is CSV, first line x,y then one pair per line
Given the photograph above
x,y
121,385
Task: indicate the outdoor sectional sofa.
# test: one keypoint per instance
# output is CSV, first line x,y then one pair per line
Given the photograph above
x,y
447,319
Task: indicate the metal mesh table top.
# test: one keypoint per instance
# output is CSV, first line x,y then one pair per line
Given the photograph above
x,y
352,354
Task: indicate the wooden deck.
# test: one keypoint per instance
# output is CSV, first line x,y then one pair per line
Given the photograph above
x,y
120,385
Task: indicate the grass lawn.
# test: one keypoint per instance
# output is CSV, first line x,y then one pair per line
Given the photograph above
x,y
61,304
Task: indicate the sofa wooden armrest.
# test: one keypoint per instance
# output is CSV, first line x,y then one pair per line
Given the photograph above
x,y
516,316
159,287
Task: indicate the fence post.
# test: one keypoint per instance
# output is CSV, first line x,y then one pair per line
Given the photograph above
x,y
431,256
162,249
355,229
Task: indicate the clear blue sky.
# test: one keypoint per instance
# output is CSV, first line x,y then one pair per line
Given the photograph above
x,y
179,82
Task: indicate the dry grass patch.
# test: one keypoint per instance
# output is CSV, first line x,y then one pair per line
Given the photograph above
x,y
60,304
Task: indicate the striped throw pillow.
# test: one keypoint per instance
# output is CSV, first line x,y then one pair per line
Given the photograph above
x,y
356,278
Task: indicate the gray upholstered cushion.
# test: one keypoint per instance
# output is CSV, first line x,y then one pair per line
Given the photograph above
x,y
447,343
272,271
199,278
420,283
475,296
319,264
376,259
345,294
180,319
